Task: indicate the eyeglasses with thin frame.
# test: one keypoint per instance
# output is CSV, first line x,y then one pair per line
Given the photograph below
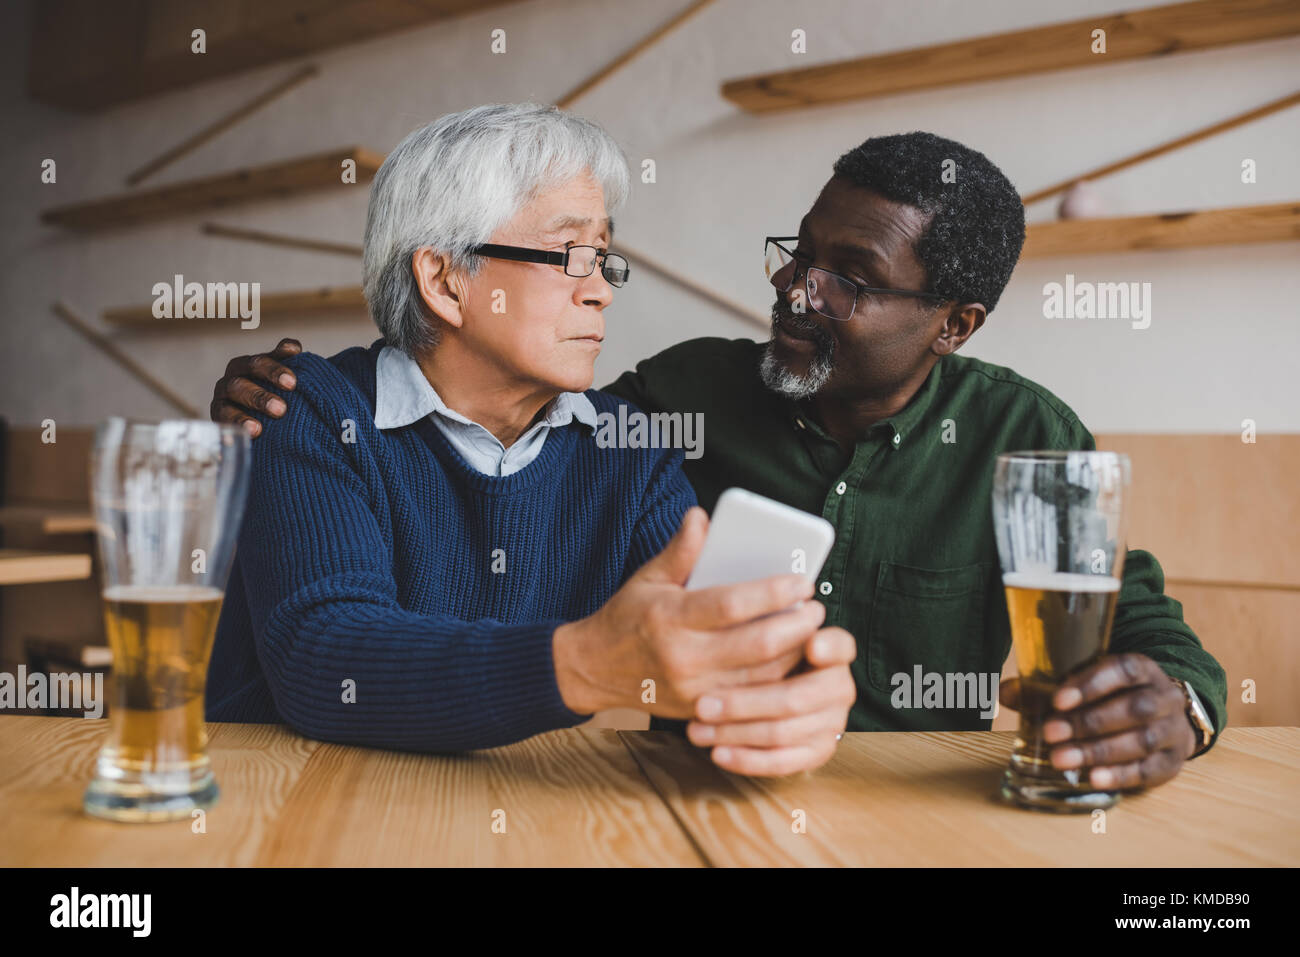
x,y
578,261
832,295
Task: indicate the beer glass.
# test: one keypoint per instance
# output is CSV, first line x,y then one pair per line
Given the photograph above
x,y
1060,523
168,498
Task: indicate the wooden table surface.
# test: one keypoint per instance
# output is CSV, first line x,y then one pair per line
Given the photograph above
x,y
587,796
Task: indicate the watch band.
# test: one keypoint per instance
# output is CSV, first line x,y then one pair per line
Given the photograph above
x,y
1198,716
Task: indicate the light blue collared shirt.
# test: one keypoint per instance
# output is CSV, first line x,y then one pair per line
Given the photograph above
x,y
403,396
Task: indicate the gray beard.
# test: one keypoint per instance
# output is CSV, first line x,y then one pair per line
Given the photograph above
x,y
784,382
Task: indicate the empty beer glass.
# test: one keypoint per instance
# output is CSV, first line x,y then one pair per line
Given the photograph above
x,y
168,498
1060,520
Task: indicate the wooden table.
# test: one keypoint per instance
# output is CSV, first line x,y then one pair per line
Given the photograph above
x,y
587,796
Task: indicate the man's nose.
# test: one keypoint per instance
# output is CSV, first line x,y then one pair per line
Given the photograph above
x,y
595,290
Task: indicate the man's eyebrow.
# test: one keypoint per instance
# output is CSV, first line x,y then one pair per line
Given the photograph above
x,y
563,222
855,251
868,255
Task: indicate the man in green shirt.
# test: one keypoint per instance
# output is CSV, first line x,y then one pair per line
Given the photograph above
x,y
860,410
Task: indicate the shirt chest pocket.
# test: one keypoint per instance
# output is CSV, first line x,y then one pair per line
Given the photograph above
x,y
928,617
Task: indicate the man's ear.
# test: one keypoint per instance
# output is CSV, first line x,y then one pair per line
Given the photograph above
x,y
964,318
440,288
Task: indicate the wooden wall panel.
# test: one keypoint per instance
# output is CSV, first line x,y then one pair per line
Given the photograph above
x,y
1254,633
39,472
1214,509
57,474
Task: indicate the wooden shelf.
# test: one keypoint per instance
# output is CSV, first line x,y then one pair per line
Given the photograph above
x,y
49,521
21,566
87,54
68,651
326,298
1156,31
273,181
1211,227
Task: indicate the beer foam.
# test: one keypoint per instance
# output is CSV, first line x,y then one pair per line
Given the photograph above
x,y
163,594
1060,581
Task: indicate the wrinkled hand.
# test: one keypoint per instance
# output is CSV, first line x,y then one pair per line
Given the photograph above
x,y
240,391
1122,717
689,642
784,726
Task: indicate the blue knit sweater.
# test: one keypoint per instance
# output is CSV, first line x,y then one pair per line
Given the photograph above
x,y
368,604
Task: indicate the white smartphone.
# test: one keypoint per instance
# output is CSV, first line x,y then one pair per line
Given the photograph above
x,y
753,537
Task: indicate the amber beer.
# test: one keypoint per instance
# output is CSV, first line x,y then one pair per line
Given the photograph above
x,y
1060,623
161,638
168,499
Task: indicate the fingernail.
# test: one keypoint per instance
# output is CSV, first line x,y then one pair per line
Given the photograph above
x,y
1056,731
287,380
276,407
251,427
703,733
1102,777
1068,758
821,648
709,707
1067,698
722,754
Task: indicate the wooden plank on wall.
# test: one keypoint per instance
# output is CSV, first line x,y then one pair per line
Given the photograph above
x,y
46,520
324,298
1255,634
19,566
48,473
1213,508
88,54
1155,31
271,181
1278,222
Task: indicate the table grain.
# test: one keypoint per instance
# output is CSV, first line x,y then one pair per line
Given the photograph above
x,y
927,799
600,797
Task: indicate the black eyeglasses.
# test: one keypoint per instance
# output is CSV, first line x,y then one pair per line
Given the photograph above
x,y
578,261
832,295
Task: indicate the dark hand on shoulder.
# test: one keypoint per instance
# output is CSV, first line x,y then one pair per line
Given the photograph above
x,y
241,390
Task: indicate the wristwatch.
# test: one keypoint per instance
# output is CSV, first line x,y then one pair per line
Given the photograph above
x,y
1198,716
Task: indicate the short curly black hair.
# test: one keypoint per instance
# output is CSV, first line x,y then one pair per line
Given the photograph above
x,y
977,221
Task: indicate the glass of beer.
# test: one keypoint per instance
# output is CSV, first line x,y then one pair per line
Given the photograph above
x,y
168,498
1060,522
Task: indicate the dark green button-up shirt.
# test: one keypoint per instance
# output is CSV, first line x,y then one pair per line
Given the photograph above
x,y
914,573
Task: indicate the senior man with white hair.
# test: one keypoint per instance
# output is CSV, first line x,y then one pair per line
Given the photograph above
x,y
437,554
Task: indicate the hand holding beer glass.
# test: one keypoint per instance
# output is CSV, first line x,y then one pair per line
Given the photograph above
x,y
1060,522
168,498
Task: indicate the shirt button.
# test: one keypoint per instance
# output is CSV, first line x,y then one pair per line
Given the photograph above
x,y
841,489
825,588
897,439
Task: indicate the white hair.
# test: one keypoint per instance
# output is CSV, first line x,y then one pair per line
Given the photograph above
x,y
450,185
784,382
